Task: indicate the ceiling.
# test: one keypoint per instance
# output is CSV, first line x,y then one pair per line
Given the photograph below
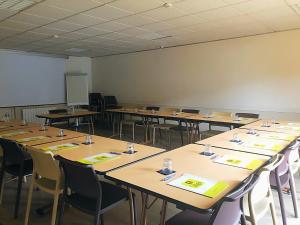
x,y
105,27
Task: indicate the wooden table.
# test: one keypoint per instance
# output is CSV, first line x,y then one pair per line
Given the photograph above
x,y
143,176
104,145
15,124
223,140
279,126
72,115
47,136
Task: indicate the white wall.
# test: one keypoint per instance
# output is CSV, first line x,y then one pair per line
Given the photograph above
x,y
259,74
80,65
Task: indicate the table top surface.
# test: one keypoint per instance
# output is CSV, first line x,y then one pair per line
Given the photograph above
x,y
282,126
67,115
104,145
249,141
38,136
188,116
144,176
15,124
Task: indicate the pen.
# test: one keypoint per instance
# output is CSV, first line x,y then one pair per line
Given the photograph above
x,y
168,177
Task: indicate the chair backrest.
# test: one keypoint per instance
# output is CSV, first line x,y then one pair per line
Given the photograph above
x,y
262,187
230,210
55,111
248,115
294,159
80,178
194,111
221,114
110,101
95,99
12,152
155,108
44,164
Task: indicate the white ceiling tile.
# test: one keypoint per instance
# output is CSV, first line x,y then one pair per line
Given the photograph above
x,y
115,35
32,36
137,5
92,31
5,13
63,25
85,20
75,5
112,26
49,11
221,13
134,31
27,18
158,26
258,5
136,20
184,21
108,12
163,13
48,31
193,6
75,35
16,25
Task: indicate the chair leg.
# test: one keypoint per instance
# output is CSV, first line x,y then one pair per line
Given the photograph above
x,y
62,210
153,138
54,209
1,183
243,219
121,130
29,201
273,212
294,195
102,219
19,189
133,133
280,196
97,220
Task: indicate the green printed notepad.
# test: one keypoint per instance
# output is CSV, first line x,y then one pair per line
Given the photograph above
x,y
35,138
278,136
199,185
100,158
61,147
14,133
240,162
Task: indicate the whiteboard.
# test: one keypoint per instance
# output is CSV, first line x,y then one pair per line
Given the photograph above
x,y
77,89
27,79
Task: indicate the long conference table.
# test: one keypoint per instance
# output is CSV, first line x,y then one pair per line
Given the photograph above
x,y
139,171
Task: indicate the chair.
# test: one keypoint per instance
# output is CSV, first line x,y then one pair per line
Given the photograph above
x,y
96,102
110,102
248,115
227,212
165,126
212,132
58,121
260,199
87,193
184,125
16,162
282,177
47,177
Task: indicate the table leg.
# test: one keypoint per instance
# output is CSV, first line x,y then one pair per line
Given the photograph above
x,y
163,213
145,198
132,207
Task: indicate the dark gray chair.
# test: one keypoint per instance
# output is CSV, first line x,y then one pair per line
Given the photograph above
x,y
187,126
227,212
88,194
15,162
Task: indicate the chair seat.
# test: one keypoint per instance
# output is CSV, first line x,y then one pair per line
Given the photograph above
x,y
189,217
111,195
130,122
284,180
210,133
15,169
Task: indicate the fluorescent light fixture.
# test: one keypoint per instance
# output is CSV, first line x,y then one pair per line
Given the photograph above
x,y
16,5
